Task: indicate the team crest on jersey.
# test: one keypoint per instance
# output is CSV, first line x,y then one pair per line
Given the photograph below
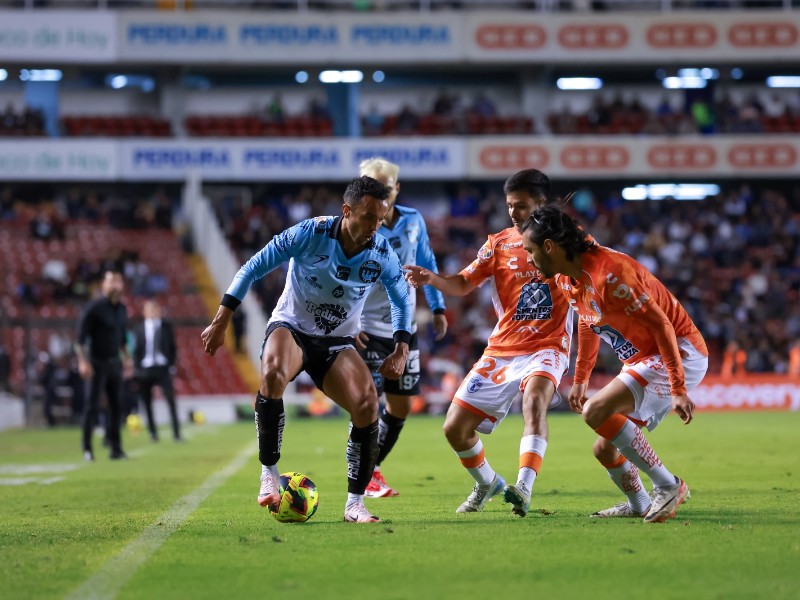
x,y
338,291
327,317
485,253
618,343
535,302
342,273
474,384
369,271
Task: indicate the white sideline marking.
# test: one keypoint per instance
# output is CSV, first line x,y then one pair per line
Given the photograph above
x,y
116,572
33,469
27,480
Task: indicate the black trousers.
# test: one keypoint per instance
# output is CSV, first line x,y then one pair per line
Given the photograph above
x,y
158,376
107,378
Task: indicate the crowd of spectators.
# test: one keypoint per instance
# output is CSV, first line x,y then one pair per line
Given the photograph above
x,y
17,123
733,260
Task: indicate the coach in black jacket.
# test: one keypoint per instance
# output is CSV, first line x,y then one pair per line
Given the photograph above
x,y
154,358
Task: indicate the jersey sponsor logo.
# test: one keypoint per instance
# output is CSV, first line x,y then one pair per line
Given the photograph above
x,y
320,225
312,279
510,37
413,35
369,271
526,274
535,302
681,35
342,272
412,233
511,263
327,316
763,35
618,343
596,308
475,384
511,245
321,258
338,291
395,242
361,290
189,35
583,37
284,35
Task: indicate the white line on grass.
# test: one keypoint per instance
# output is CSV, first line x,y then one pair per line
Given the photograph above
x,y
116,572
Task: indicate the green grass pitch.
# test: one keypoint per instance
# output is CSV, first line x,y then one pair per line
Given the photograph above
x,y
738,537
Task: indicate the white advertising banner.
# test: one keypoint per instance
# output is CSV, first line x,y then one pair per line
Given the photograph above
x,y
620,156
633,38
57,37
58,160
287,160
291,39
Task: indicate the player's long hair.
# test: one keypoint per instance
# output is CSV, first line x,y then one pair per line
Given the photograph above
x,y
364,186
552,223
532,181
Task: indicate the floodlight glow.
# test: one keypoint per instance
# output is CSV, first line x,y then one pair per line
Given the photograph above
x,y
378,76
341,76
579,83
783,81
3,74
301,76
736,73
677,191
118,82
40,75
684,83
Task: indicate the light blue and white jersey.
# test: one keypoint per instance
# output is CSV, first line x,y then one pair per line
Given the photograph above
x,y
325,290
409,239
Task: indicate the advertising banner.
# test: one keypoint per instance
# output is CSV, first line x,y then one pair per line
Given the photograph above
x,y
744,36
287,160
751,392
57,37
624,156
58,160
290,39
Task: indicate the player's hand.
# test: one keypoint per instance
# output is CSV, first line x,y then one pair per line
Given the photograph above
x,y
361,341
213,337
85,369
417,276
395,363
684,406
439,326
577,397
127,367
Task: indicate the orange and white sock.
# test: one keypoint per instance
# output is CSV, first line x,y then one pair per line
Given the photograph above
x,y
626,477
531,455
632,444
474,461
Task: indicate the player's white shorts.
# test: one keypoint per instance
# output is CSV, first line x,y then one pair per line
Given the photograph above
x,y
649,382
494,382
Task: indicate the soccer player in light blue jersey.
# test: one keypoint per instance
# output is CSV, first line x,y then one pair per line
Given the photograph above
x,y
333,263
406,232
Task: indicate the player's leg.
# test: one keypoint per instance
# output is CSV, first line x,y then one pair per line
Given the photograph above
x,y
536,398
348,383
91,409
605,413
626,477
459,429
146,384
281,361
114,397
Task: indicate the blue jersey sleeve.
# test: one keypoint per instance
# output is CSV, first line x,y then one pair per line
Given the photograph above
x,y
284,246
397,288
427,260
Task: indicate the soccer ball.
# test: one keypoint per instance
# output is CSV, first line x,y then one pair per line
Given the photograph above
x,y
299,499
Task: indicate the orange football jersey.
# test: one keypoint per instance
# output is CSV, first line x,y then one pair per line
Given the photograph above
x,y
613,290
531,314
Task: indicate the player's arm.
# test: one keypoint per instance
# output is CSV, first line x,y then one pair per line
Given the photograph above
x,y
588,347
657,323
427,260
452,285
287,244
396,288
